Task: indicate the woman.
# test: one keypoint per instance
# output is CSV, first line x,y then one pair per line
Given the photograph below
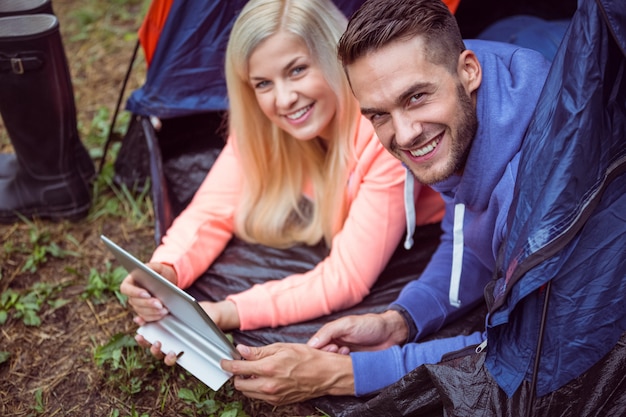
x,y
300,166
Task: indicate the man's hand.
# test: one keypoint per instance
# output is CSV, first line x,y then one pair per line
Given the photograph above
x,y
364,332
284,373
145,305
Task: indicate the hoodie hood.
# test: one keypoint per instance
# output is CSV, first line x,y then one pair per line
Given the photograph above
x,y
500,117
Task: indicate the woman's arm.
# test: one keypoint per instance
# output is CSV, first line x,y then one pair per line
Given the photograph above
x,y
200,233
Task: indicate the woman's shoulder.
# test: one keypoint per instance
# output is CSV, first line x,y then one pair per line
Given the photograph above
x,y
365,137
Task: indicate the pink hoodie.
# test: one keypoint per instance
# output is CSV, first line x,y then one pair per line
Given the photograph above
x,y
359,253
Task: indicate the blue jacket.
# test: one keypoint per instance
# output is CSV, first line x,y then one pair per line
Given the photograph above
x,y
512,81
567,239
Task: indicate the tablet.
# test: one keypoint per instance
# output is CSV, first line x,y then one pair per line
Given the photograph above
x,y
187,330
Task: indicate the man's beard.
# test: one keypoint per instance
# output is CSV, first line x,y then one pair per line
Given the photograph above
x,y
460,143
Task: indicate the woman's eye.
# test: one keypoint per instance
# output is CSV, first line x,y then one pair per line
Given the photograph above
x,y
297,70
261,84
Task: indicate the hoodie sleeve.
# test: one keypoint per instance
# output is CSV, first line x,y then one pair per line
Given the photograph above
x,y
376,370
427,299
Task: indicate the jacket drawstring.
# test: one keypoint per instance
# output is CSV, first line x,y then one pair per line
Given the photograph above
x,y
409,208
457,255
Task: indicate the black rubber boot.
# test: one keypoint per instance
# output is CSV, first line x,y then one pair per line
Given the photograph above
x,y
52,172
20,7
8,161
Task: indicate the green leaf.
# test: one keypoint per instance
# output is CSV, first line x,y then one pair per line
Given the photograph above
x,y
111,351
187,394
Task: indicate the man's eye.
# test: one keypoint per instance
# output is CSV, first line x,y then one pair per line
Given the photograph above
x,y
416,97
378,119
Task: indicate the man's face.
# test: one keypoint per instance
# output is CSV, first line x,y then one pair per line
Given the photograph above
x,y
423,115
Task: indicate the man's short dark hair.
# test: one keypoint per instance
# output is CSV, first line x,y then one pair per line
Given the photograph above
x,y
380,22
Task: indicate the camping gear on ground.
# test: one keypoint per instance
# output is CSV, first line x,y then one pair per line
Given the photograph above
x,y
51,174
555,331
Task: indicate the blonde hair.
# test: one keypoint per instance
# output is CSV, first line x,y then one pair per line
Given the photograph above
x,y
276,165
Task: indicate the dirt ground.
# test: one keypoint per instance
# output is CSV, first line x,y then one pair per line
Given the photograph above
x,y
49,368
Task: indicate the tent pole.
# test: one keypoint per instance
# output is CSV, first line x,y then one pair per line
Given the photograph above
x,y
542,327
117,108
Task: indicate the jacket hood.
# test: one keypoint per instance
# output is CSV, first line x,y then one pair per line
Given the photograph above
x,y
497,139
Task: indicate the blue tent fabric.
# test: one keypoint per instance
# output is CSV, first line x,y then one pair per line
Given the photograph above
x,y
568,223
186,75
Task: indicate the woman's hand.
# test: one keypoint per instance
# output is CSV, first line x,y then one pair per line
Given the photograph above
x,y
223,313
149,308
155,349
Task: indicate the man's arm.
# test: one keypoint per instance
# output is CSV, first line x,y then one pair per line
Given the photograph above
x,y
426,299
375,370
284,373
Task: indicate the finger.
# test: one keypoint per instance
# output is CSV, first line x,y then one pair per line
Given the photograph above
x,y
253,363
164,270
141,341
139,320
150,314
327,333
170,359
332,348
155,349
151,309
248,387
244,368
253,353
129,288
151,302
344,350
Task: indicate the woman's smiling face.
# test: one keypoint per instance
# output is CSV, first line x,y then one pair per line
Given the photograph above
x,y
290,87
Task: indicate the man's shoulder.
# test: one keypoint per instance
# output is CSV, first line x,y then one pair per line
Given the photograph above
x,y
489,52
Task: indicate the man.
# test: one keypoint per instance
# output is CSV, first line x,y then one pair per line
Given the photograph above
x,y
456,117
